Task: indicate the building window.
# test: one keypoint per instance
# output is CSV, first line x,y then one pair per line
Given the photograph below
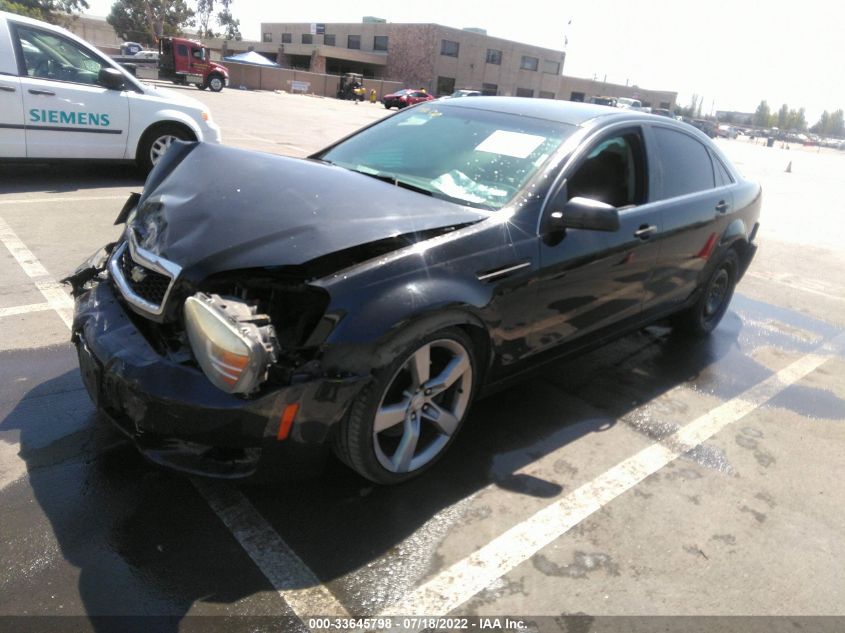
x,y
445,86
286,38
449,48
380,43
353,41
307,38
664,105
577,96
494,56
524,92
267,37
550,67
545,94
328,39
489,90
529,63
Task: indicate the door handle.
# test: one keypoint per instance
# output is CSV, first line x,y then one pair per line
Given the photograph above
x,y
7,89
645,231
47,93
722,207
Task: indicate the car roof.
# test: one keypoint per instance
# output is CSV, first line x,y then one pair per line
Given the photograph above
x,y
571,112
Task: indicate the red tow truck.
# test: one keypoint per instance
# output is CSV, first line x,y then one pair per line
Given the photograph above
x,y
189,62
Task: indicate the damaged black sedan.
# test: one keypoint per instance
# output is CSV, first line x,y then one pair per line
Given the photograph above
x,y
362,298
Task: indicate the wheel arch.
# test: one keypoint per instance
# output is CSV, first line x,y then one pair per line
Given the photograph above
x,y
163,118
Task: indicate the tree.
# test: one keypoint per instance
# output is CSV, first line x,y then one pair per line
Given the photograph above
x,y
146,21
53,11
204,11
783,116
230,25
837,123
762,114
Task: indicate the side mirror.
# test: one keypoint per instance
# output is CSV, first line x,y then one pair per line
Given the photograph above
x,y
586,214
110,78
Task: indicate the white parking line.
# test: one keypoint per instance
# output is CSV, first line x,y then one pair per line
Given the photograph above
x,y
32,307
51,290
295,583
56,199
460,582
290,576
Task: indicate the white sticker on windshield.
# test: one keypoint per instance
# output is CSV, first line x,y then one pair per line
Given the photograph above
x,y
415,119
514,144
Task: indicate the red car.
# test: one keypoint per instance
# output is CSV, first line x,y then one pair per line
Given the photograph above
x,y
406,97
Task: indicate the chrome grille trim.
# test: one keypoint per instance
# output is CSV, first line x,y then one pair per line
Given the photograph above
x,y
147,260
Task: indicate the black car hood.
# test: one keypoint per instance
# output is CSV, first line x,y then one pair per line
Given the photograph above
x,y
217,208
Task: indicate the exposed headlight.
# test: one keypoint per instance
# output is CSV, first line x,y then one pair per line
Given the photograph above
x,y
232,343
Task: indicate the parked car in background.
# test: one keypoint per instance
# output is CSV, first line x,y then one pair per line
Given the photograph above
x,y
605,101
464,93
230,326
403,98
726,131
708,127
151,56
663,112
627,103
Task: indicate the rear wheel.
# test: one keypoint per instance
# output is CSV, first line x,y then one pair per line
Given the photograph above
x,y
407,417
703,317
156,141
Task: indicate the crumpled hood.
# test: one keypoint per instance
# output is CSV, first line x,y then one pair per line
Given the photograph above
x,y
217,208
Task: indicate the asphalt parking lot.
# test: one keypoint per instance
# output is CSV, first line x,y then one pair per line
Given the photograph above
x,y
656,476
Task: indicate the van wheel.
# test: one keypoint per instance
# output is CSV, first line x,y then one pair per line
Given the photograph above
x,y
216,83
156,141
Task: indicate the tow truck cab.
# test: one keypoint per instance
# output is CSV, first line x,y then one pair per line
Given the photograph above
x,y
189,62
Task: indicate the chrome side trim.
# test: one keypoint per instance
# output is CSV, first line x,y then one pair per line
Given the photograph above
x,y
503,271
151,261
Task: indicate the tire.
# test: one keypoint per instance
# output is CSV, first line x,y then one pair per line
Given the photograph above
x,y
705,314
387,106
215,83
202,86
419,419
155,142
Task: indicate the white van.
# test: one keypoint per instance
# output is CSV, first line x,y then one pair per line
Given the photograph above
x,y
61,98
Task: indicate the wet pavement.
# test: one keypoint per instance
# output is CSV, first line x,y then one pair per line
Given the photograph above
x,y
746,520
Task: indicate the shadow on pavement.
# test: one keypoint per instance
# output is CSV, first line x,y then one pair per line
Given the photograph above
x,y
66,177
145,543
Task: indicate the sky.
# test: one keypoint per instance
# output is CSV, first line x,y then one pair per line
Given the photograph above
x,y
732,54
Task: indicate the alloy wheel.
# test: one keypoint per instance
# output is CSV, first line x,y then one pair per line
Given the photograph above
x,y
423,406
160,146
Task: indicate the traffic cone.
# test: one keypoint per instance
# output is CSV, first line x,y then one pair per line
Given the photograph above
x,y
789,168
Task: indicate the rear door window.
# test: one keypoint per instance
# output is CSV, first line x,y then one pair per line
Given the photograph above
x,y
684,164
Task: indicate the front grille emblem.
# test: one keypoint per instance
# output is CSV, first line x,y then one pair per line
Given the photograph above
x,y
138,274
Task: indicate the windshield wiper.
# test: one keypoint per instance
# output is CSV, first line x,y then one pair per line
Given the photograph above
x,y
393,180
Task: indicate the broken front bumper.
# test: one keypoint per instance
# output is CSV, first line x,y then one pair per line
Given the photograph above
x,y
177,418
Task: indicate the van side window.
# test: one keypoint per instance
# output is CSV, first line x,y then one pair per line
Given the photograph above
x,y
49,56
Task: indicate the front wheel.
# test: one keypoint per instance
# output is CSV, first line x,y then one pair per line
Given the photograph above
x,y
706,313
216,83
156,142
408,416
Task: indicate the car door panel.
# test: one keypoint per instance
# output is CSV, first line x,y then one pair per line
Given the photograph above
x,y
590,279
12,133
693,222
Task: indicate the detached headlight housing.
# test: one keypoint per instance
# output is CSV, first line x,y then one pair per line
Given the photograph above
x,y
233,344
